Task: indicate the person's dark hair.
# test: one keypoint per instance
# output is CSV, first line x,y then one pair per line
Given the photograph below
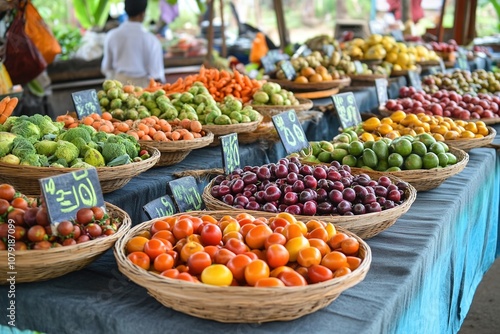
x,y
135,7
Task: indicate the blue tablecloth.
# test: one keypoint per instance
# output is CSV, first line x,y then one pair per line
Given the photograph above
x,y
424,272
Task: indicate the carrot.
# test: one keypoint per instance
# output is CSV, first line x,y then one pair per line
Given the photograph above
x,y
3,103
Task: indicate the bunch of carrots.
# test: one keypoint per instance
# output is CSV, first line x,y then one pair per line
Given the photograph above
x,y
219,83
7,106
149,128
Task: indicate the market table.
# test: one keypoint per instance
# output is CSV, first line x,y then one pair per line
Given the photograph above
x,y
423,276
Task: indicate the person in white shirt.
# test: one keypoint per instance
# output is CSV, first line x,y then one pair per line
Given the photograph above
x,y
133,55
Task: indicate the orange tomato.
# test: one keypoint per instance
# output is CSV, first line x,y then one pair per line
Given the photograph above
x,y
334,260
136,244
237,265
350,246
154,247
256,237
256,270
277,255
163,262
140,259
267,282
309,256
292,278
198,261
318,273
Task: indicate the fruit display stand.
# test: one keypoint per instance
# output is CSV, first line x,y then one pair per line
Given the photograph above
x,y
41,265
25,178
173,152
238,304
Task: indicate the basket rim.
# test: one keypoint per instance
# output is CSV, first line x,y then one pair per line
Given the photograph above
x,y
123,228
304,104
119,251
236,128
181,145
304,87
367,77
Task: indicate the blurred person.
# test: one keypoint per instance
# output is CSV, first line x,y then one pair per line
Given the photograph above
x,y
132,54
417,12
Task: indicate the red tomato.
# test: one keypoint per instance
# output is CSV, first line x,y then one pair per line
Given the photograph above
x,y
37,233
7,191
309,256
140,259
154,247
85,216
292,278
237,266
336,240
164,234
94,230
275,238
98,212
277,255
267,282
211,235
159,225
350,246
183,228
353,262
19,203
20,245
171,273
17,215
256,270
318,273
334,260
44,244
256,237
3,245
4,206
163,262
341,272
223,255
19,232
236,246
198,261
65,228
186,277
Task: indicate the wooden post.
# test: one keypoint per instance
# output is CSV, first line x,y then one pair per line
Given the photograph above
x,y
210,46
406,11
222,30
278,8
439,28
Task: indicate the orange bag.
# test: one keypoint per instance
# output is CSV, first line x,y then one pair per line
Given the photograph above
x,y
41,35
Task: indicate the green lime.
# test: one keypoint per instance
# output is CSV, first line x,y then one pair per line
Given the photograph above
x,y
370,158
443,159
402,147
338,154
393,169
430,160
368,144
381,149
452,159
353,135
342,138
388,141
316,148
395,160
356,148
360,163
325,156
418,148
409,137
413,161
326,145
446,147
437,147
382,165
344,146
349,160
426,138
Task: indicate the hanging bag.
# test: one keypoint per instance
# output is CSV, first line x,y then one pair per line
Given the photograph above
x,y
22,59
41,35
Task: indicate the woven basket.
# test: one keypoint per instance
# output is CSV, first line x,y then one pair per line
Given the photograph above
x,y
427,179
41,265
312,86
365,226
220,130
265,132
25,178
468,144
488,121
173,152
269,111
238,304
367,77
428,63
404,72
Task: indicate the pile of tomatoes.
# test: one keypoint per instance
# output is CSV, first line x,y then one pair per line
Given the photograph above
x,y
245,250
26,220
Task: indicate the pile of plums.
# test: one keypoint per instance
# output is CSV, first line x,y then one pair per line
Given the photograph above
x,y
289,186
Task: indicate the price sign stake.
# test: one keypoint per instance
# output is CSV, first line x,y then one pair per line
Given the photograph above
x,y
186,194
381,87
65,194
230,152
160,207
86,103
347,110
415,80
290,131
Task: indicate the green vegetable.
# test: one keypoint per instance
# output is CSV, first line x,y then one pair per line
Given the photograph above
x,y
6,143
94,157
100,137
46,125
60,163
131,145
26,129
111,150
119,160
80,144
36,160
11,120
46,147
22,147
10,159
66,150
79,132
81,164
271,88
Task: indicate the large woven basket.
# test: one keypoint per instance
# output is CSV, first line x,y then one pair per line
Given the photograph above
x,y
468,144
365,226
221,130
488,121
367,77
25,178
269,111
312,86
173,152
41,265
265,132
427,179
238,304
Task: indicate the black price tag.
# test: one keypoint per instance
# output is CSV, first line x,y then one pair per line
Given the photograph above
x,y
381,87
347,110
186,195
268,63
160,207
358,66
328,49
415,80
67,193
230,152
86,103
398,35
288,69
290,131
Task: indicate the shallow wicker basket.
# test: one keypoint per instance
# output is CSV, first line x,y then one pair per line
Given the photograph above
x,y
269,111
405,72
365,226
238,304
427,179
264,132
468,144
173,152
41,265
220,130
312,86
367,77
25,178
488,121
